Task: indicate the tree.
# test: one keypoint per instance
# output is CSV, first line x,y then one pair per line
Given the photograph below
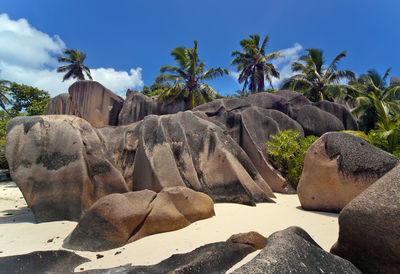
x,y
76,67
30,100
4,88
253,63
188,78
364,91
156,89
315,80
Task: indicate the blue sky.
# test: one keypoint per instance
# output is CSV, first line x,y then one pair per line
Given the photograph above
x,y
128,41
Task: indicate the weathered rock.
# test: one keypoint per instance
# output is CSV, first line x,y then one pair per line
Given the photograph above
x,y
137,106
211,258
53,261
293,251
111,221
253,239
316,121
59,164
337,168
59,105
185,150
89,100
394,80
117,219
341,112
369,234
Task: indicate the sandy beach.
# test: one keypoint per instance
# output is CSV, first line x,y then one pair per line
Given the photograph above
x,y
20,234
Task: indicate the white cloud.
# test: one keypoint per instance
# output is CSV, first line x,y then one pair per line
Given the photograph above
x,y
28,56
282,64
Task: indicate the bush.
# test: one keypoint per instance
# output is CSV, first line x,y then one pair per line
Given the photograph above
x,y
287,151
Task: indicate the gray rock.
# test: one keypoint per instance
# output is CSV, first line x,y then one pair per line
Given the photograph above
x,y
137,106
369,234
53,261
293,251
211,258
341,112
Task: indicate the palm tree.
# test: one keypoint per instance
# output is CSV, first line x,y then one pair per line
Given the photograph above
x,y
364,91
253,63
315,80
188,78
76,67
4,89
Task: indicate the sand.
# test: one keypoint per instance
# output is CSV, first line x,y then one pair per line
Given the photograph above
x,y
20,234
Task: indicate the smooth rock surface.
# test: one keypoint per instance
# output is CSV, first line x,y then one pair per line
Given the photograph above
x,y
369,234
252,238
337,168
59,164
293,251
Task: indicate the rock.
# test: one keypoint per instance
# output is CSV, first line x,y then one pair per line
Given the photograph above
x,y
175,208
316,121
53,261
59,105
211,258
394,80
89,100
253,239
341,112
337,168
185,150
137,106
369,234
117,219
293,251
111,221
59,164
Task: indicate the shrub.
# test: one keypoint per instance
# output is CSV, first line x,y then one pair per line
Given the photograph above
x,y
287,151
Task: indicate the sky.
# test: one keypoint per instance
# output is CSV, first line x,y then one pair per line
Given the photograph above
x,y
127,42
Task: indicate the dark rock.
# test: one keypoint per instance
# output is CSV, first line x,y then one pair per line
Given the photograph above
x,y
211,258
316,121
137,106
337,168
369,234
54,261
341,112
293,251
59,164
117,218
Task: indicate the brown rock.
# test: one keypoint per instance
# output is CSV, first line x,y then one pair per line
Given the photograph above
x,y
111,221
338,167
369,234
59,105
58,163
252,238
175,208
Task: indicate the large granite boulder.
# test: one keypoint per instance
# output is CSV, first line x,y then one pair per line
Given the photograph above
x,y
369,234
63,165
52,261
337,168
341,112
216,257
118,218
89,100
137,106
293,251
59,164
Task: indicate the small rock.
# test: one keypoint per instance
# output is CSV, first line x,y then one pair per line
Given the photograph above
x,y
118,252
99,256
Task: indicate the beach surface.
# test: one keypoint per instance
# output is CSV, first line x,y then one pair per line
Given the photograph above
x,y
20,234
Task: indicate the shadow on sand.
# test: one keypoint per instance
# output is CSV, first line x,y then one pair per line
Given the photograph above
x,y
330,214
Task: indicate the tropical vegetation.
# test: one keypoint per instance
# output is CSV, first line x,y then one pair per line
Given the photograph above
x,y
188,78
75,68
315,80
254,63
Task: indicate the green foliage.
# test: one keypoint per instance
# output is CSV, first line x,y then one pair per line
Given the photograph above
x,y
156,89
28,99
287,151
254,64
75,69
4,118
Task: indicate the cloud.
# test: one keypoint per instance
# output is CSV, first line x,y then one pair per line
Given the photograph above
x,y
29,56
282,64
